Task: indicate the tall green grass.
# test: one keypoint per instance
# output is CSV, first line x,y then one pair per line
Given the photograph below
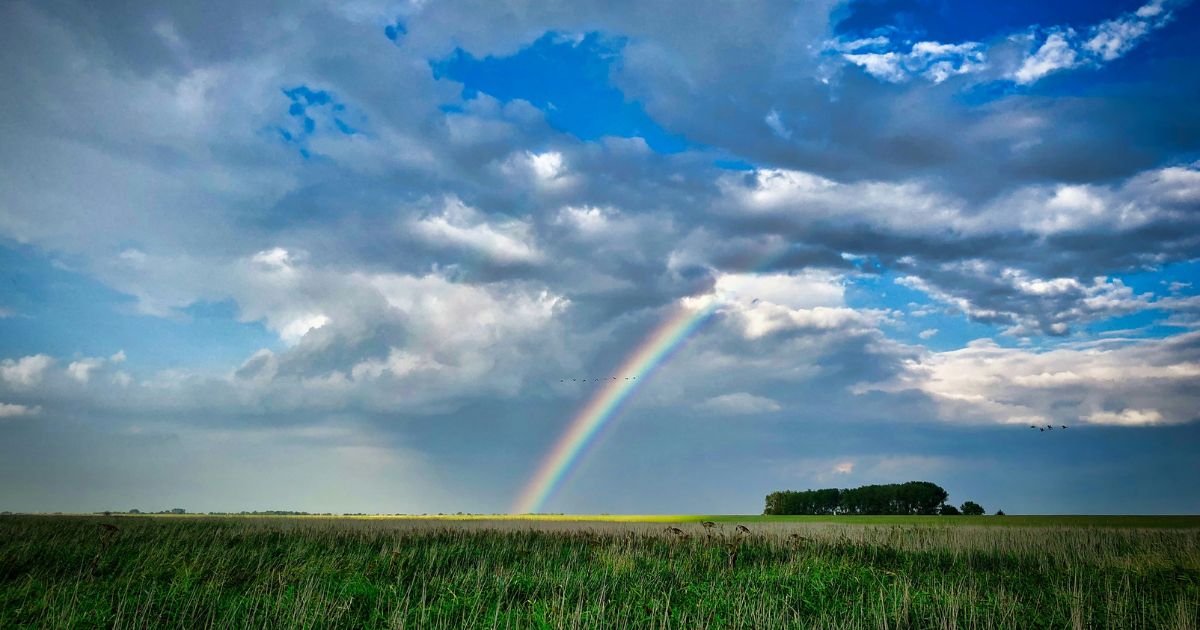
x,y
369,573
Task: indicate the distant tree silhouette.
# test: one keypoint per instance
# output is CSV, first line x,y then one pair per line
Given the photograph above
x,y
825,501
999,512
913,497
949,510
971,508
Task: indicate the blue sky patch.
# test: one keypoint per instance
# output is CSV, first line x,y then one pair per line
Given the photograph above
x,y
395,31
734,165
568,79
313,111
67,314
961,20
950,328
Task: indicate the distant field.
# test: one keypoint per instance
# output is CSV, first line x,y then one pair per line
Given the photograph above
x,y
604,572
1119,521
1172,521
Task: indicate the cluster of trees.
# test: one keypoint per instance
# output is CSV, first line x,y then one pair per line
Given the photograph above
x,y
969,508
913,497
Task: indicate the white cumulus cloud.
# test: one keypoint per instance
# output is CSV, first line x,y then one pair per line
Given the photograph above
x,y
82,369
739,403
460,225
25,372
1053,55
1134,383
8,410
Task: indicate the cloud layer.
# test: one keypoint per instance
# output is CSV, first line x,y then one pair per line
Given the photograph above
x,y
893,231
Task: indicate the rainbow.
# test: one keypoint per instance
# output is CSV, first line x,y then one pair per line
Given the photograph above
x,y
606,402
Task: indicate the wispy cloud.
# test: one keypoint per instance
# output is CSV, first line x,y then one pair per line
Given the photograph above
x,y
1052,49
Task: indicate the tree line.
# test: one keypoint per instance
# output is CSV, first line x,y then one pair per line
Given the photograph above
x,y
913,497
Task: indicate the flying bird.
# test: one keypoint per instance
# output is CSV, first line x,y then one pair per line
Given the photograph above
x,y
1064,426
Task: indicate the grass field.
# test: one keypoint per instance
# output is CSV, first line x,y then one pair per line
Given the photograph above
x,y
1106,521
606,572
1109,521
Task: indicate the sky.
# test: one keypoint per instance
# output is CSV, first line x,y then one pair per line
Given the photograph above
x,y
362,256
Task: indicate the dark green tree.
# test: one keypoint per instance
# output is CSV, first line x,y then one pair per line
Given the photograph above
x,y
971,508
949,510
913,497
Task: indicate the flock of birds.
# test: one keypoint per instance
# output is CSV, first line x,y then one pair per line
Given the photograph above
x,y
1048,427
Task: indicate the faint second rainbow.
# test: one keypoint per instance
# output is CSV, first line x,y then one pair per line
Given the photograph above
x,y
603,405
